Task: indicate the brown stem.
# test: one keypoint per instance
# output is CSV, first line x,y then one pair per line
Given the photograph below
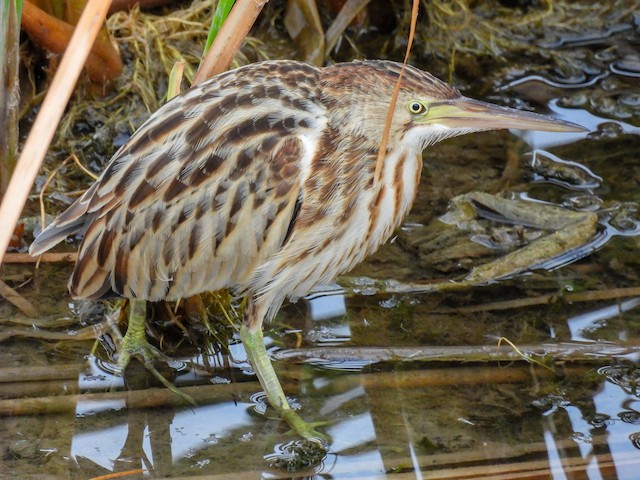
x,y
125,5
35,374
233,32
482,353
103,63
48,118
49,257
13,297
9,95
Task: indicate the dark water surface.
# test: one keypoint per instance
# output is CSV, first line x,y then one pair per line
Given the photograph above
x,y
451,403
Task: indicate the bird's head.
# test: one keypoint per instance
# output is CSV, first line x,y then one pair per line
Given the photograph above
x,y
427,110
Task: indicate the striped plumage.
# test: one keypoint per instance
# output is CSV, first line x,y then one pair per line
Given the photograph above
x,y
263,180
260,179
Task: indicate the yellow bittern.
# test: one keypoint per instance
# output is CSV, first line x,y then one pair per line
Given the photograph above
x,y
263,180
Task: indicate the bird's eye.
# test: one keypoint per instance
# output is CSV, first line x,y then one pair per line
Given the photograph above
x,y
417,108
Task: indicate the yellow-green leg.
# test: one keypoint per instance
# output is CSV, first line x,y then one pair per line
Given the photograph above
x,y
135,344
253,342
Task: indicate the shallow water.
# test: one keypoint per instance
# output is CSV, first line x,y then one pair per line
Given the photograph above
x,y
405,384
434,418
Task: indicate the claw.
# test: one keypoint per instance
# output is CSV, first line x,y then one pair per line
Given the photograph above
x,y
253,342
306,430
140,348
135,344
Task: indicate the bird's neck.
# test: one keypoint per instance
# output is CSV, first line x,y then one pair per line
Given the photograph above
x,y
393,194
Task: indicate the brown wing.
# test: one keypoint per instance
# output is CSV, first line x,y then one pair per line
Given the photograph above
x,y
202,192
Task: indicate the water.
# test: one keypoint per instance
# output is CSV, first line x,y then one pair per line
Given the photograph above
x,y
385,420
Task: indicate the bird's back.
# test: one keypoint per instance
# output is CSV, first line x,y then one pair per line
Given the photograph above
x,y
203,191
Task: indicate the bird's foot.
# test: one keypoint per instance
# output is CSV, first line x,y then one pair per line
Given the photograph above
x,y
135,344
306,430
147,354
253,342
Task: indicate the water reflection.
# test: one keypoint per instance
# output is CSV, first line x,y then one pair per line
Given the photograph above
x,y
326,302
582,326
384,424
546,140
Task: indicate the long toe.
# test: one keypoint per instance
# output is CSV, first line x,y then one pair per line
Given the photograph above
x,y
134,346
147,354
306,430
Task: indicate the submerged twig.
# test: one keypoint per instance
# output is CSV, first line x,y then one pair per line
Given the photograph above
x,y
13,297
569,297
147,398
209,394
43,373
481,353
381,287
37,323
49,257
86,333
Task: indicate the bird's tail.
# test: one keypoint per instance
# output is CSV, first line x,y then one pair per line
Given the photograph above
x,y
71,221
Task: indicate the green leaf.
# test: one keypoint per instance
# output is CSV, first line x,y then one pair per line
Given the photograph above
x,y
219,16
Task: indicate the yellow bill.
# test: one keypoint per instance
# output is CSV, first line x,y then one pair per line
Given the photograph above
x,y
466,112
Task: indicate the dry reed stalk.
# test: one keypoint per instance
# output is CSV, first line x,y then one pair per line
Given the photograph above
x,y
147,398
36,374
49,257
17,300
49,116
347,13
394,97
576,352
233,32
103,63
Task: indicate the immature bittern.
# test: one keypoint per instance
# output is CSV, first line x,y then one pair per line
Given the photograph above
x,y
263,180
